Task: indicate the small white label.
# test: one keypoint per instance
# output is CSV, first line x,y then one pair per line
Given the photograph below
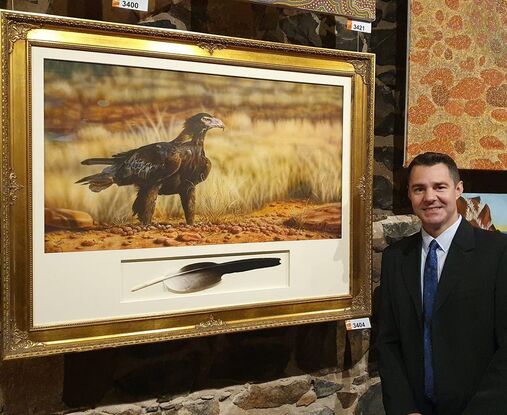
x,y
141,5
359,26
358,324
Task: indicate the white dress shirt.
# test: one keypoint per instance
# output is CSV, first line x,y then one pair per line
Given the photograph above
x,y
444,241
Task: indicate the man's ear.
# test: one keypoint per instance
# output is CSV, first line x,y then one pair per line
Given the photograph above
x,y
459,189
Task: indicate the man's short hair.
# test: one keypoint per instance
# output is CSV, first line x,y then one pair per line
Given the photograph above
x,y
430,159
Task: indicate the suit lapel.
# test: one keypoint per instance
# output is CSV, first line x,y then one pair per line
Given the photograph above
x,y
452,272
411,269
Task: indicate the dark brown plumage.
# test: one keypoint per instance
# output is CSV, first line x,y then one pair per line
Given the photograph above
x,y
162,168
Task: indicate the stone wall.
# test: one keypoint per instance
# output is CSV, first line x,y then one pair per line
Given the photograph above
x,y
309,369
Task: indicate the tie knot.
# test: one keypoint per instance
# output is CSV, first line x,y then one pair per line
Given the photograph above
x,y
433,245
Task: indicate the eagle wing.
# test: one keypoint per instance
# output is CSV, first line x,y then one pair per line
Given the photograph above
x,y
148,164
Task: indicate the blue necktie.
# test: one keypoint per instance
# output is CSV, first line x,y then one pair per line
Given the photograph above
x,y
429,294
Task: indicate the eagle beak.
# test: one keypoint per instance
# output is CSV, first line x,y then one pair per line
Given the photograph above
x,y
217,123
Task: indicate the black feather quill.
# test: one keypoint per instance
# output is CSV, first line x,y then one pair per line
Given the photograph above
x,y
202,275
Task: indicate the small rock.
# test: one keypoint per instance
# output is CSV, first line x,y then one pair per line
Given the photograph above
x,y
159,241
168,242
121,409
67,219
207,397
398,227
360,379
188,237
272,394
87,243
321,411
307,399
224,395
378,240
347,399
324,387
235,230
201,407
150,409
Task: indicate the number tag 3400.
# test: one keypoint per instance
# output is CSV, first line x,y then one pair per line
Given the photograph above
x,y
141,5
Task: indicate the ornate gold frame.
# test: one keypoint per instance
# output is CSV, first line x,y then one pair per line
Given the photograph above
x,y
19,32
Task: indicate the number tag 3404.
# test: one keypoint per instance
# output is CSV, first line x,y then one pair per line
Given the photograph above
x,y
141,5
358,324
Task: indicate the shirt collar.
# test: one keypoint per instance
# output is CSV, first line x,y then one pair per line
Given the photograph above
x,y
444,240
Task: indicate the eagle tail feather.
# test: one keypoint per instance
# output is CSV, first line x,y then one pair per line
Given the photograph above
x,y
99,160
97,182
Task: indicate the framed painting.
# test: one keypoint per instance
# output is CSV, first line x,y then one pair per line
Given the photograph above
x,y
161,184
485,210
355,9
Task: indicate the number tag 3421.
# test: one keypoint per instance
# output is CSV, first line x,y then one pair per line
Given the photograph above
x,y
359,26
141,5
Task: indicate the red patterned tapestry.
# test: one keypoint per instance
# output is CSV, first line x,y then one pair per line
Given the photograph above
x,y
457,90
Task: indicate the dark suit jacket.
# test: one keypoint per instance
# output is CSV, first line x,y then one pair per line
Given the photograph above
x,y
469,327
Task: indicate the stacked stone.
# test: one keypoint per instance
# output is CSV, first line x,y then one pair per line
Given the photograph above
x,y
298,395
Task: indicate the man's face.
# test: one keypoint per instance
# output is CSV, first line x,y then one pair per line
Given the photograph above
x,y
433,194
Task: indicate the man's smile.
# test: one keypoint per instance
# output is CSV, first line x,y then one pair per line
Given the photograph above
x,y
432,208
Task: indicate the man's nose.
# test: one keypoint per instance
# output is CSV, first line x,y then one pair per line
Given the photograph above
x,y
429,195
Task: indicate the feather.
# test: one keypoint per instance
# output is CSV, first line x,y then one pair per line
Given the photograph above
x,y
202,275
97,182
93,161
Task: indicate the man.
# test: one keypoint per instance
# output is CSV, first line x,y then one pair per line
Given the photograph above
x,y
442,342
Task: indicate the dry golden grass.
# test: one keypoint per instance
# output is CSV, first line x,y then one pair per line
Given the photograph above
x,y
251,167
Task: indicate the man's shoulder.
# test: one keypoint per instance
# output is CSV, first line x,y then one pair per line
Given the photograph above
x,y
495,238
403,245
